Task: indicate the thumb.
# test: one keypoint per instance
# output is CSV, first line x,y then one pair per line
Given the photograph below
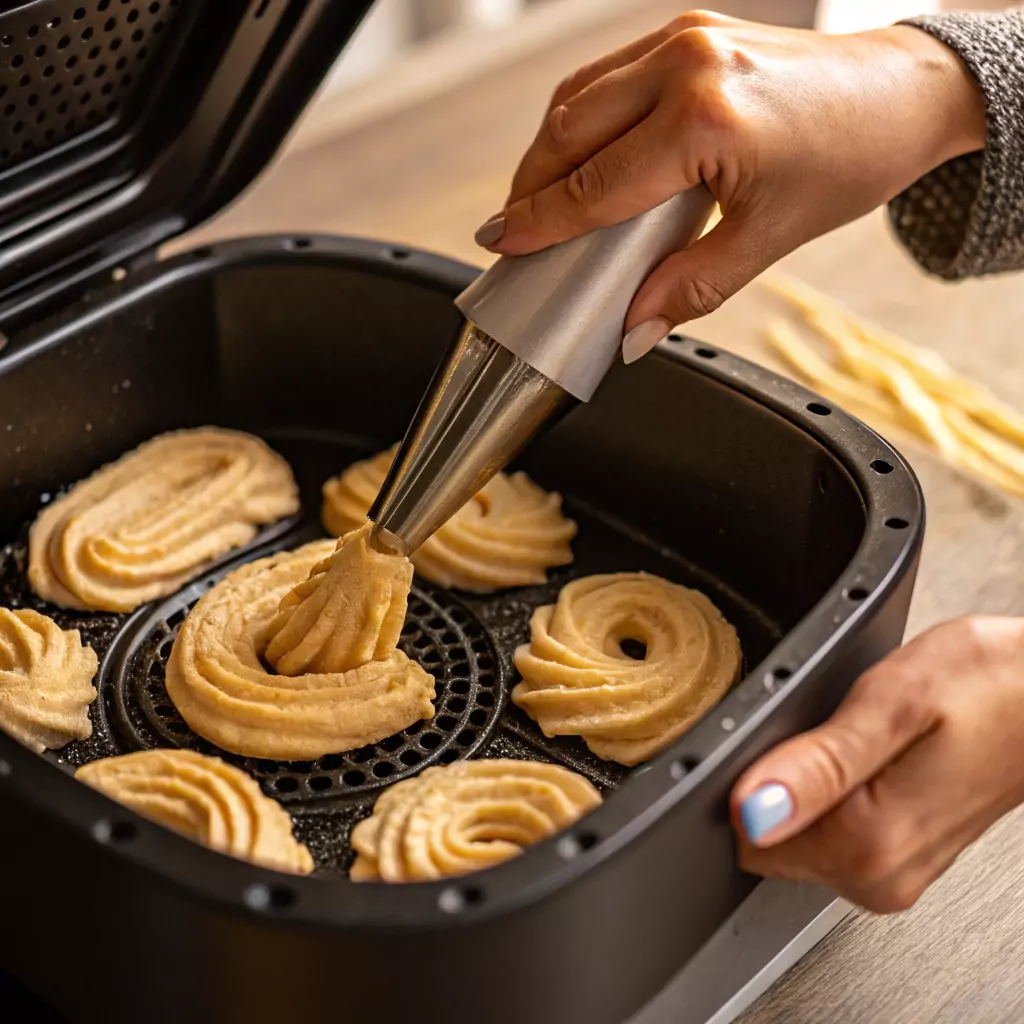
x,y
696,281
805,777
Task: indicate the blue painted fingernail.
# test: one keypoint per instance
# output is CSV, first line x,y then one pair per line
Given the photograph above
x,y
765,809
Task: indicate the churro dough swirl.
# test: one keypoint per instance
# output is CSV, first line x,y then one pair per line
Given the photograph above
x,y
45,681
507,536
334,631
204,799
578,681
141,527
465,817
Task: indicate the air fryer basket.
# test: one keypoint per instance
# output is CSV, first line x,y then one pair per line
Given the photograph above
x,y
800,523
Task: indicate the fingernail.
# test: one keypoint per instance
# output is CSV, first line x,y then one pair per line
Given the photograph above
x,y
766,808
643,338
491,230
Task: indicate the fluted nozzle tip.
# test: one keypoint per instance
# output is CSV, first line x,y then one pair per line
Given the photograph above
x,y
482,407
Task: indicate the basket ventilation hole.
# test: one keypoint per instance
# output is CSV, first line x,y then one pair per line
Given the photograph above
x,y
682,767
453,901
573,845
114,831
270,897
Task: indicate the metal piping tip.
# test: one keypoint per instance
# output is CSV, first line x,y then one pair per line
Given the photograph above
x,y
386,542
483,405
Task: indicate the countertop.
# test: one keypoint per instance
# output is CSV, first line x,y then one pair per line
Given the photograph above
x,y
428,174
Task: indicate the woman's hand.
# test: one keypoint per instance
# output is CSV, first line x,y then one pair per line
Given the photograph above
x,y
794,132
925,753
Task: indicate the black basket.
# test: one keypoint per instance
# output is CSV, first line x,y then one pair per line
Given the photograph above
x,y
800,523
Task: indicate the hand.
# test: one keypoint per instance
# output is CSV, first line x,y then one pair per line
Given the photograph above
x,y
920,759
794,132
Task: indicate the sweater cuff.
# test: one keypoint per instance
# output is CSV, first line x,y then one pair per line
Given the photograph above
x,y
966,218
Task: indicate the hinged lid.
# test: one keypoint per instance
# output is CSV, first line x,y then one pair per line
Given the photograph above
x,y
125,122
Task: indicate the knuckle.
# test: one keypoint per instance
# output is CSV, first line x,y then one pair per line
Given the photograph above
x,y
586,186
700,45
699,296
694,19
904,699
556,133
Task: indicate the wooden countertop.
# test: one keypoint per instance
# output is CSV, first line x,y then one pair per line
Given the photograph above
x,y
428,174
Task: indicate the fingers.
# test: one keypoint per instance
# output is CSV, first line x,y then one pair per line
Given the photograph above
x,y
630,176
692,283
537,170
586,123
917,763
800,780
869,849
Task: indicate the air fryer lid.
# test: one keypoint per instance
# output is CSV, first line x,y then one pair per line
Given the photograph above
x,y
125,122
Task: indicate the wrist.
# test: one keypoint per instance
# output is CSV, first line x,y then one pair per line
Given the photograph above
x,y
946,102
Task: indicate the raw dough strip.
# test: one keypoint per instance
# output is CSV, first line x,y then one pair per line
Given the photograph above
x,y
910,387
466,816
204,799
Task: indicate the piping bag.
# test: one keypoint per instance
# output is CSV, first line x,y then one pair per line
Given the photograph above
x,y
541,332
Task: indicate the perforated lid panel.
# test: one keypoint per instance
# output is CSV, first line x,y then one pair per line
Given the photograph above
x,y
125,122
62,78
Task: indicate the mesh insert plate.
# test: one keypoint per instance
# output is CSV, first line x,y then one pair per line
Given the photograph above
x,y
440,633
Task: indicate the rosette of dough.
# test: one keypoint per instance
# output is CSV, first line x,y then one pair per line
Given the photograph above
x,y
465,817
578,681
45,681
507,536
204,799
328,616
143,526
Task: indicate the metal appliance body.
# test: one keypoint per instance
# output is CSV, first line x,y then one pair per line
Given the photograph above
x,y
542,331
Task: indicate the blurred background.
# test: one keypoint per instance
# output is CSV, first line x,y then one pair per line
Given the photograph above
x,y
397,26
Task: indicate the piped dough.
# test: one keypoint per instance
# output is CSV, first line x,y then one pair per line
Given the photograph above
x,y
46,676
328,615
464,817
509,535
204,799
579,680
143,526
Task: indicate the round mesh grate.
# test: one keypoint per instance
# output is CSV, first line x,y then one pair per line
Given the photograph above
x,y
69,67
440,633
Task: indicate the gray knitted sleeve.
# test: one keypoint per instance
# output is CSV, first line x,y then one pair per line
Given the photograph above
x,y
966,218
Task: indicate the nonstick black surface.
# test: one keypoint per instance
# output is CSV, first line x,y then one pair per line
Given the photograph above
x,y
466,641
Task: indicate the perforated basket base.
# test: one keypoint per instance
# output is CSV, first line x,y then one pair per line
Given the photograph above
x,y
465,641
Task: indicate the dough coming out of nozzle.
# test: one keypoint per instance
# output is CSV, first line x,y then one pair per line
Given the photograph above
x,y
328,616
509,535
